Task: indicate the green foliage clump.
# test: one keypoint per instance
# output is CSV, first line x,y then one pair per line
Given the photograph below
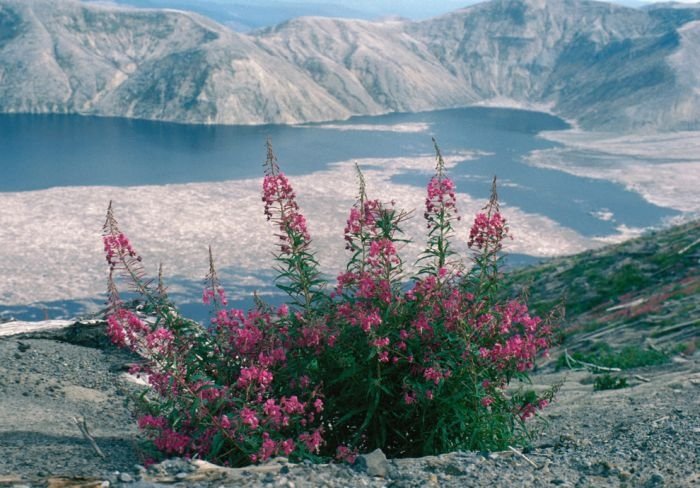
x,y
602,354
609,382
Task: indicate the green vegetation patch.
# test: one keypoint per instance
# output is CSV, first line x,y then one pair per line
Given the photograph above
x,y
601,354
609,382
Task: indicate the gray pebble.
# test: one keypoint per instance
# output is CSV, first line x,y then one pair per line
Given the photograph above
x,y
126,478
374,464
656,480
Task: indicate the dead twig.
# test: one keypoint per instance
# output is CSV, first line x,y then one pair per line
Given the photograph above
x,y
529,461
570,360
659,420
688,247
632,304
642,378
675,328
82,425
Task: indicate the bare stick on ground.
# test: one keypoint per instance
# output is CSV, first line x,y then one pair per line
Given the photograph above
x,y
570,360
82,425
529,461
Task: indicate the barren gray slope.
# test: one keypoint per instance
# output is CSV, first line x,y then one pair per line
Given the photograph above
x,y
162,65
606,66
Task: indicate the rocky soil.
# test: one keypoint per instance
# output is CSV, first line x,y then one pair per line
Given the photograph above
x,y
646,435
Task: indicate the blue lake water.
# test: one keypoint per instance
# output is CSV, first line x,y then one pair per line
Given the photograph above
x,y
43,151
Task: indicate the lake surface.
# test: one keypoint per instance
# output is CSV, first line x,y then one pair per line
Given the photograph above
x,y
44,151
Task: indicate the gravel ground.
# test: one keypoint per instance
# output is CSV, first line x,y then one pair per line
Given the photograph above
x,y
44,385
643,436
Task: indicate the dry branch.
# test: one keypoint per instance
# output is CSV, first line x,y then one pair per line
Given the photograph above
x,y
570,360
82,425
529,461
688,247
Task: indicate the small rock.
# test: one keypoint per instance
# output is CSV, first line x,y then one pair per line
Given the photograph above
x,y
656,480
601,468
374,463
181,476
285,483
624,475
126,478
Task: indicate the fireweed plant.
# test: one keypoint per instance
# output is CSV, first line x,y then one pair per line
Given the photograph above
x,y
413,365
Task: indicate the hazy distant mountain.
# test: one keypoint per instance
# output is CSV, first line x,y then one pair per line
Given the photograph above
x,y
246,15
604,65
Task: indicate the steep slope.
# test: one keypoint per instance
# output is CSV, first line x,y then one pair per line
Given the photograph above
x,y
588,60
367,66
510,47
644,291
606,66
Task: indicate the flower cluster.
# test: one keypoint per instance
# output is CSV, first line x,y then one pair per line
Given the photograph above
x,y
363,218
298,264
440,214
117,246
488,232
281,206
411,364
125,328
441,200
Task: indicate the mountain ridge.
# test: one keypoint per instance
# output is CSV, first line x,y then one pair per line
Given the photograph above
x,y
606,66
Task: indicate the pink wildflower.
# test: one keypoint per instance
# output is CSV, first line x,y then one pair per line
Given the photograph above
x,y
118,247
249,418
409,398
159,340
312,441
278,193
433,375
488,231
288,447
148,421
344,453
441,199
171,442
292,405
268,449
